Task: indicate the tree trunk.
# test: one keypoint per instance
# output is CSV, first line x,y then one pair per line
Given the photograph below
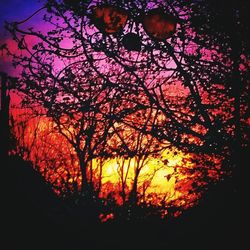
x,y
100,176
4,118
237,87
83,168
133,194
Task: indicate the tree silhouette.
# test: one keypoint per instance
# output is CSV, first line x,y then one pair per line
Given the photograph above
x,y
98,69
223,27
226,30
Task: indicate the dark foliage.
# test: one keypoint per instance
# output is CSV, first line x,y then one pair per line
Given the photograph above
x,y
34,218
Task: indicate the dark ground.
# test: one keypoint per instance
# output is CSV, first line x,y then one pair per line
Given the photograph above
x,y
34,219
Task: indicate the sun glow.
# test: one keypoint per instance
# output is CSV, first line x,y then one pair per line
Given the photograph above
x,y
167,178
158,175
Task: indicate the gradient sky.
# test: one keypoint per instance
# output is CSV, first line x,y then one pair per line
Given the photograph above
x,y
16,10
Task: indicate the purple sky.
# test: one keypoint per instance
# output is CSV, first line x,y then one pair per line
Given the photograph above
x,y
16,10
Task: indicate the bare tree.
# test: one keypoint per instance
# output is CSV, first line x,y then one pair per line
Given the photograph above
x,y
99,69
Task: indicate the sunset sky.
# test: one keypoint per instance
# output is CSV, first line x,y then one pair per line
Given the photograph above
x,y
129,166
131,114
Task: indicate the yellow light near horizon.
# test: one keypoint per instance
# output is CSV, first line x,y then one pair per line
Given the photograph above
x,y
165,177
162,174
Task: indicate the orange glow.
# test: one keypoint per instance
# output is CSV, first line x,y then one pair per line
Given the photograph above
x,y
166,178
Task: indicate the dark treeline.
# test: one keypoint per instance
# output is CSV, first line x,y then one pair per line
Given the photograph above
x,y
34,218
